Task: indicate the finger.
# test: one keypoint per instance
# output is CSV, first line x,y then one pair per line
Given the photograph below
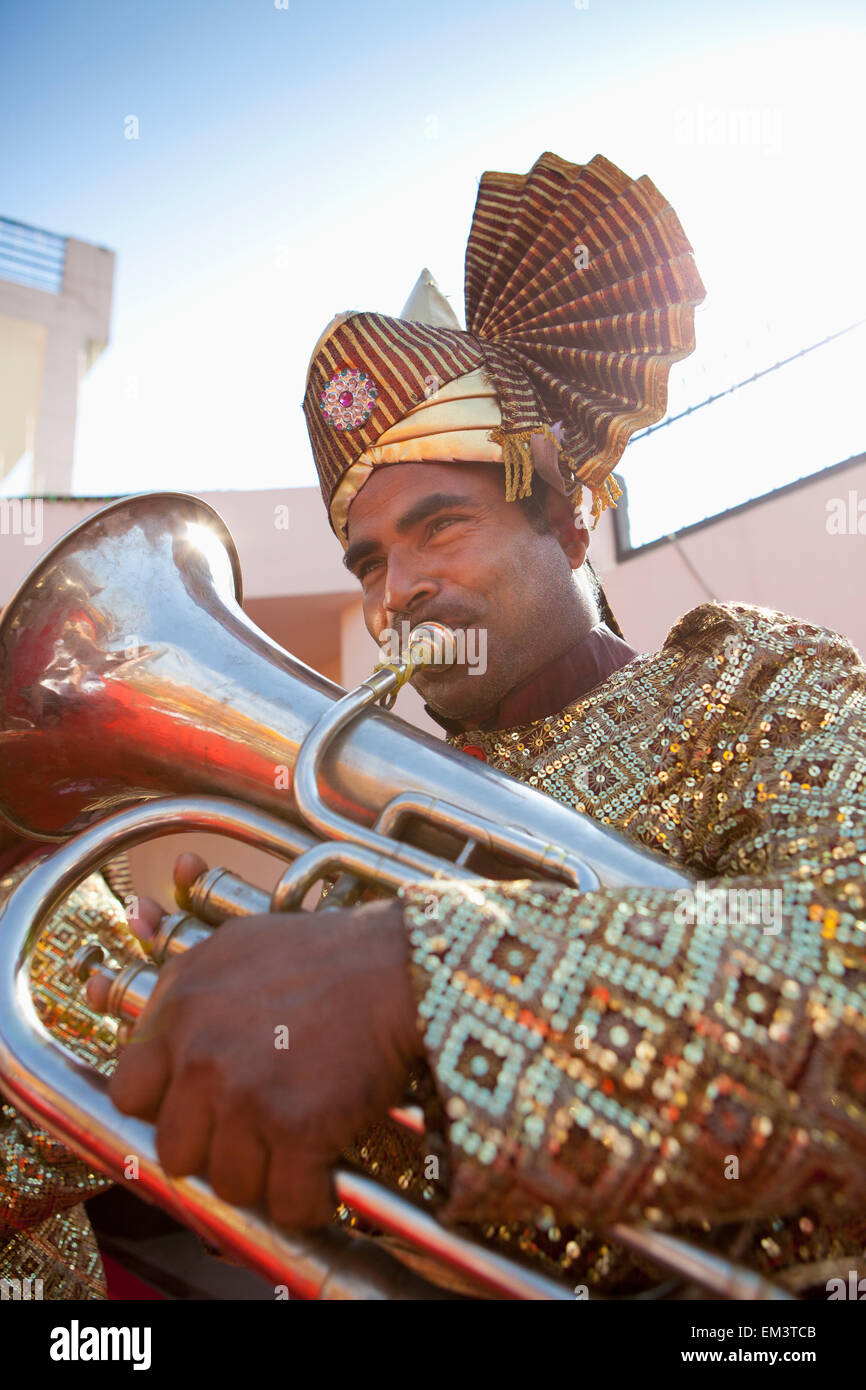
x,y
96,991
184,1127
300,1193
187,868
141,1078
237,1162
144,921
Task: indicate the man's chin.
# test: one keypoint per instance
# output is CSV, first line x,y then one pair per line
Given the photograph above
x,y
455,694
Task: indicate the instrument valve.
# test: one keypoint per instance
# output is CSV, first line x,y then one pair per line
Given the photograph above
x,y
129,988
87,960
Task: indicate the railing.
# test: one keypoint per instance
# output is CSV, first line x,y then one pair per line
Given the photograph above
x,y
30,256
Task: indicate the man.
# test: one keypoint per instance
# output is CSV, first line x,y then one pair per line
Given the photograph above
x,y
626,1054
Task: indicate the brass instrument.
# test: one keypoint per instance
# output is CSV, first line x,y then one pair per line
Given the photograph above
x,y
131,678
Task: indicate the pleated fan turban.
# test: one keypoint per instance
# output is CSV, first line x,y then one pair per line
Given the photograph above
x,y
580,294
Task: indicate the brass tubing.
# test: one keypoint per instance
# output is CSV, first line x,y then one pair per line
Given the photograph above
x,y
330,825
510,839
219,894
328,857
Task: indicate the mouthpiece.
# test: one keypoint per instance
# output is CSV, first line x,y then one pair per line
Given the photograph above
x,y
428,644
432,644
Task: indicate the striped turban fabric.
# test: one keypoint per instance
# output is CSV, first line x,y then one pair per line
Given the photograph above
x,y
580,294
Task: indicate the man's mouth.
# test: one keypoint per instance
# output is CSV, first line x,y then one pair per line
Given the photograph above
x,y
471,644
406,628
445,622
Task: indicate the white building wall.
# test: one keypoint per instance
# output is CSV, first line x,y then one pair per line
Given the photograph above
x,y
76,323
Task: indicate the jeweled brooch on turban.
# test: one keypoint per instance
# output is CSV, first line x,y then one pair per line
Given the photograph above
x,y
349,399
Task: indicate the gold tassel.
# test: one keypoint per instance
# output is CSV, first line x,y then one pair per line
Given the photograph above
x,y
509,476
603,497
577,500
526,475
517,458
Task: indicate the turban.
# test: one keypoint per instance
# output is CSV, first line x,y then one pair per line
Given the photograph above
x,y
580,293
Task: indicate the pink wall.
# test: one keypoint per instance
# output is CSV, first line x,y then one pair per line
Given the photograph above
x,y
777,553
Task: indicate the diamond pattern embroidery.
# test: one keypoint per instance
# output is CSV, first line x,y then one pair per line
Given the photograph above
x,y
510,963
468,1043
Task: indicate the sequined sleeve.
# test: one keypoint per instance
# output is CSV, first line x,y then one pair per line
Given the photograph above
x,y
38,1175
697,1055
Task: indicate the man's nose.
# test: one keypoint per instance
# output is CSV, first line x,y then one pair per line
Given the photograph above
x,y
406,583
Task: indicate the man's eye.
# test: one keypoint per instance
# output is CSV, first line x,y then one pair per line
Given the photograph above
x,y
444,521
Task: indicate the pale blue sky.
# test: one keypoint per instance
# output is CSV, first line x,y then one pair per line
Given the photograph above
x,y
295,162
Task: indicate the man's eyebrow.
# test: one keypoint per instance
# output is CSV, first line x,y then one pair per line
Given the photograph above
x,y
358,552
428,506
436,502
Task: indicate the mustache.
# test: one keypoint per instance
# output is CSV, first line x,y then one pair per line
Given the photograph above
x,y
451,617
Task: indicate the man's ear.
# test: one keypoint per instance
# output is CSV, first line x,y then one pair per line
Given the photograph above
x,y
568,529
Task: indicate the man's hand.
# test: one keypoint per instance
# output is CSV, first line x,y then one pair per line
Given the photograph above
x,y
266,1050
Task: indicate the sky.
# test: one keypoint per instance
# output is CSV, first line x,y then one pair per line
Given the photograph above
x,y
296,159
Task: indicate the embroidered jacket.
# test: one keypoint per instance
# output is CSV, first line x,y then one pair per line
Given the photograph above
x,y
687,1057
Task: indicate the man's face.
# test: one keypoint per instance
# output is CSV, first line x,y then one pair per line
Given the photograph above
x,y
438,542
